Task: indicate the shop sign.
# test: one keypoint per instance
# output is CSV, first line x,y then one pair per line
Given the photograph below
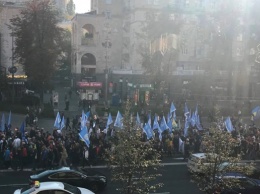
x,y
89,84
17,83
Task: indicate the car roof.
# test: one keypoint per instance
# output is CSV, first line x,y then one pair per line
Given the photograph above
x,y
203,155
51,185
199,155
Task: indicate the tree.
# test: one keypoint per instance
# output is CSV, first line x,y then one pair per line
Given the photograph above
x,y
134,163
220,146
37,40
71,8
63,67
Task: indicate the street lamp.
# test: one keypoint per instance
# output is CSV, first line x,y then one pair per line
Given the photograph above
x,y
107,44
121,87
12,70
126,88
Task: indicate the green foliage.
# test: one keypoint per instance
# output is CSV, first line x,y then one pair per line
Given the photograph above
x,y
134,163
220,147
64,60
37,40
214,114
71,8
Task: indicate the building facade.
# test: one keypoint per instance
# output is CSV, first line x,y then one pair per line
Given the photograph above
x,y
8,10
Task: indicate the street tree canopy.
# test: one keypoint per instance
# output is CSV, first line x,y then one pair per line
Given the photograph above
x,y
220,147
37,40
134,163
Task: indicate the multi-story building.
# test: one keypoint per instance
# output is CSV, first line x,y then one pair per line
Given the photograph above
x,y
106,44
8,10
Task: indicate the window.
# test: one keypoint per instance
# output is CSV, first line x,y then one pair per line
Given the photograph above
x,y
156,2
107,14
108,1
184,50
153,2
72,175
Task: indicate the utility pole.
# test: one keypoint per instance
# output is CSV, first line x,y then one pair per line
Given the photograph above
x,y
107,44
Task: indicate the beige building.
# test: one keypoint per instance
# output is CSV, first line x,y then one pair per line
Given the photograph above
x,y
8,10
120,21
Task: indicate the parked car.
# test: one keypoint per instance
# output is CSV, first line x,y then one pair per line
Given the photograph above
x,y
241,184
52,188
81,177
197,161
250,170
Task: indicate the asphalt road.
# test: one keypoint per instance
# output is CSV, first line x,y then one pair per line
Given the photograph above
x,y
175,178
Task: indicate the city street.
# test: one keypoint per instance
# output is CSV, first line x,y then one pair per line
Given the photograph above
x,y
175,178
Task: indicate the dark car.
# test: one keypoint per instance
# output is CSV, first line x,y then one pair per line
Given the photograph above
x,y
250,170
81,177
242,184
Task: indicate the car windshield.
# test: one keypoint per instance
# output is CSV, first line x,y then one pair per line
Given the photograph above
x,y
223,165
27,190
71,188
44,173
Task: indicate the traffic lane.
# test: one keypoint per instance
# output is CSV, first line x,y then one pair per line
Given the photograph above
x,y
175,178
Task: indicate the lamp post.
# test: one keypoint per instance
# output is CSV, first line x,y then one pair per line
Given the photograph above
x,y
107,44
12,70
121,87
126,88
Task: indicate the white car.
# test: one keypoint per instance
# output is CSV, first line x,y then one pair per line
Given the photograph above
x,y
196,162
52,188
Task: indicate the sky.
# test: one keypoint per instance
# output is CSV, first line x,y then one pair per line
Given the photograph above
x,y
82,6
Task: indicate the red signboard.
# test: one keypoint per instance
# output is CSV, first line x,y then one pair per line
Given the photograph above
x,y
90,84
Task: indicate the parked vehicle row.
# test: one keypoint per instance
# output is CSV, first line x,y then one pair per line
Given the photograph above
x,y
65,178
244,175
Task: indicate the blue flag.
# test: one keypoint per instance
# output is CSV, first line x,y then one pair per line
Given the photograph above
x,y
172,109
84,135
119,120
155,123
148,131
163,125
9,120
22,129
174,115
198,125
186,111
196,110
168,117
3,122
62,124
186,127
255,113
149,119
57,121
87,114
228,124
138,120
169,124
109,122
193,120
83,119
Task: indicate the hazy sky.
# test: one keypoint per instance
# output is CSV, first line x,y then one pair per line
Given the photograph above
x,y
82,6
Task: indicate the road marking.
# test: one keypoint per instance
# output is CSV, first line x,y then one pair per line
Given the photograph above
x,y
100,166
14,185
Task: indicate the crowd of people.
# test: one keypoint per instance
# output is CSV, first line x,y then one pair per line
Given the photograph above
x,y
41,149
